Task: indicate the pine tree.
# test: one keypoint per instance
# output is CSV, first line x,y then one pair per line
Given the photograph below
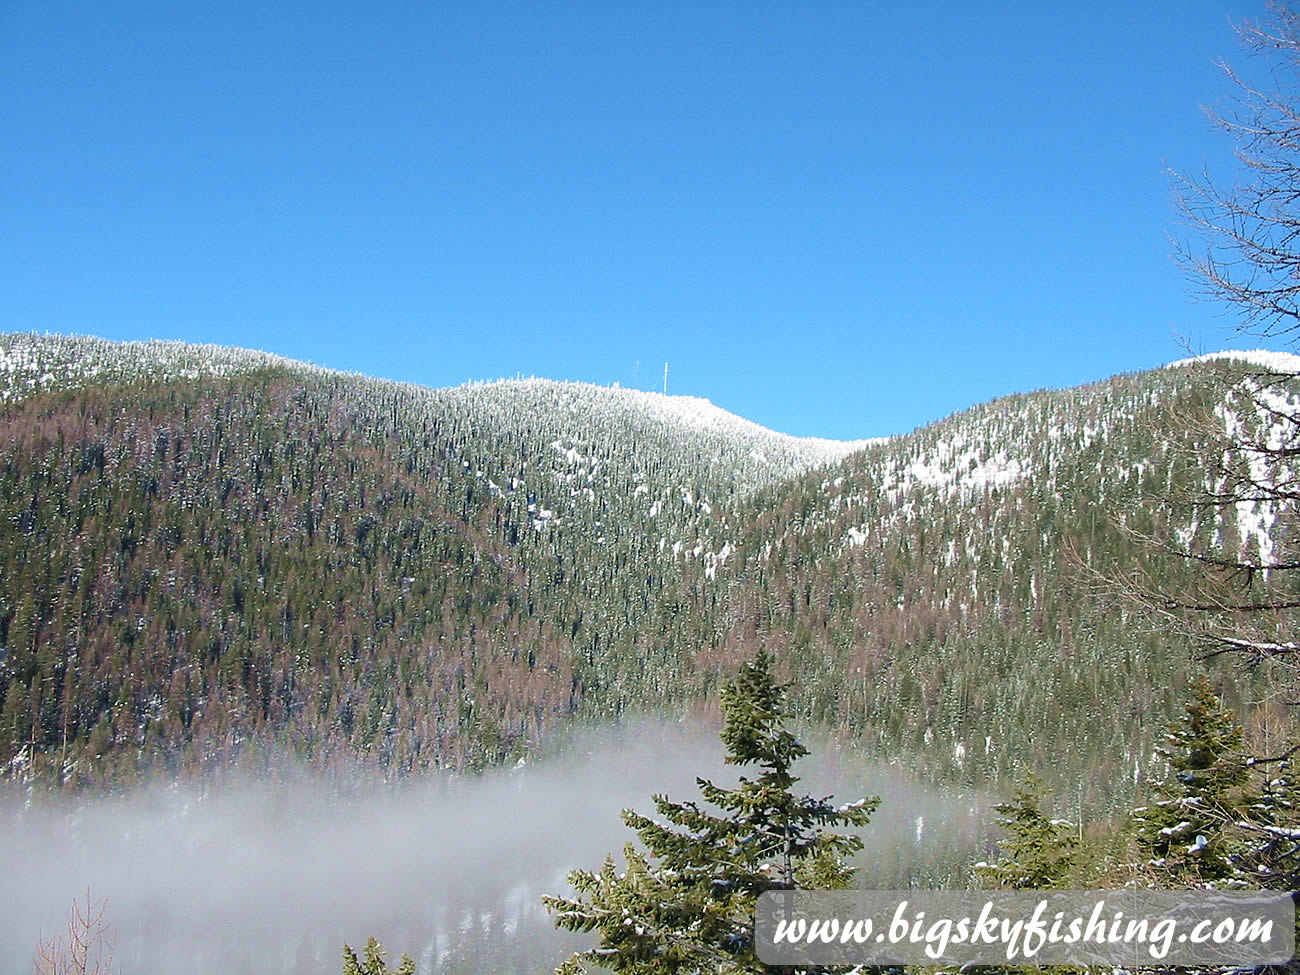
x,y
1189,832
686,903
1040,851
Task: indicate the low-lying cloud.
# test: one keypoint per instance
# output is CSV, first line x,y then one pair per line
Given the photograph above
x,y
273,877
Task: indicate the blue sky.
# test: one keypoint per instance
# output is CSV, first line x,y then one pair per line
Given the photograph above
x,y
836,219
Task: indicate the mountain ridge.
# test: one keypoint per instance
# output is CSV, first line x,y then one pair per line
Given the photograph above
x,y
365,571
27,361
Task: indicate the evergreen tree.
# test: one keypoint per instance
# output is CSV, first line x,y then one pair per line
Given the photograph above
x,y
1271,829
1039,852
372,962
1189,833
686,904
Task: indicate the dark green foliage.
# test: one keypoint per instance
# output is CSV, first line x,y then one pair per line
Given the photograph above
x,y
686,899
1039,851
372,961
1188,831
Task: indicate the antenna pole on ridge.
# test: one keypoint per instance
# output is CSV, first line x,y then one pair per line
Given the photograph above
x,y
665,379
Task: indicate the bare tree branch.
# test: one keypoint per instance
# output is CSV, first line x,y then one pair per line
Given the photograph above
x,y
85,948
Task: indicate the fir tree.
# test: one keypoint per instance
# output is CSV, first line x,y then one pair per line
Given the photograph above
x,y
1189,831
1039,852
372,962
686,903
1271,829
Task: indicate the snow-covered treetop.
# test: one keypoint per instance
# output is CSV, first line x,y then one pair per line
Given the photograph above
x,y
31,364
1284,362
587,424
686,413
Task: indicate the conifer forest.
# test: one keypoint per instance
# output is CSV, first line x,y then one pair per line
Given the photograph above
x,y
309,671
220,563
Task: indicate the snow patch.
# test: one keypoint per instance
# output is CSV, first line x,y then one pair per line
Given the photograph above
x,y
1284,362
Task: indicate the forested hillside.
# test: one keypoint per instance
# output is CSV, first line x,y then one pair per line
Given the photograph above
x,y
953,593
214,549
212,553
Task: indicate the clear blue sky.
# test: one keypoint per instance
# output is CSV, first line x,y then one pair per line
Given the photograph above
x,y
834,218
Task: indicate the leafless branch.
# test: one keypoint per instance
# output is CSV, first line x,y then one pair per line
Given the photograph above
x,y
85,948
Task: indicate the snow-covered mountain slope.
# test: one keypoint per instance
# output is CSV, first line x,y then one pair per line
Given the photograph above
x,y
1118,436
606,474
700,417
577,414
967,574
32,364
418,577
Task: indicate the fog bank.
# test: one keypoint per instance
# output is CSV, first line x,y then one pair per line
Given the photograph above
x,y
262,877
